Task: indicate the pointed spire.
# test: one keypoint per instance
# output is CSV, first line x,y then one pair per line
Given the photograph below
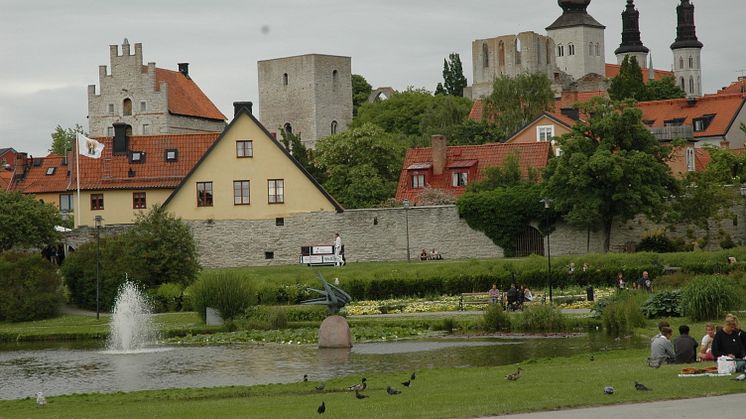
x,y
686,31
631,41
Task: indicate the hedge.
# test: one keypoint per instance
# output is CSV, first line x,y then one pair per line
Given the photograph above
x,y
30,288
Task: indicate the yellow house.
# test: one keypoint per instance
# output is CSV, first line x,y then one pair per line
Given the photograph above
x,y
247,174
543,128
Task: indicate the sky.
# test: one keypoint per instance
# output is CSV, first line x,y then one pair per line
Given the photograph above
x,y
50,49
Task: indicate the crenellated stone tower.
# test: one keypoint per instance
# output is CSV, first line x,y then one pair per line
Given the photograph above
x,y
631,42
687,66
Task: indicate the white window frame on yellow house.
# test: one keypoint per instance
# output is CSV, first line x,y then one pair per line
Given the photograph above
x,y
542,131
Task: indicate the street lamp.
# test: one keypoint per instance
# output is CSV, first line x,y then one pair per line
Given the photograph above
x,y
547,202
99,222
406,221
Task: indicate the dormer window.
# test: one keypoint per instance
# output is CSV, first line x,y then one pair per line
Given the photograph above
x,y
137,156
50,171
172,154
702,123
418,181
676,122
648,122
459,179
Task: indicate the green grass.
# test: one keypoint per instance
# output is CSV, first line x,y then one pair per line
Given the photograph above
x,y
455,392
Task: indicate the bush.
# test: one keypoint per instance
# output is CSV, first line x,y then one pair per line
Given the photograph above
x,y
622,313
226,292
298,313
278,318
447,325
496,319
658,243
663,304
30,288
541,318
710,298
167,297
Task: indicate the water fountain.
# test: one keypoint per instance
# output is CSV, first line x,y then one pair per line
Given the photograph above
x,y
131,324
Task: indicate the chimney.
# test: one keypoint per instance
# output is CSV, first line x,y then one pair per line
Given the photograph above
x,y
725,144
120,142
237,106
691,101
440,152
21,164
184,69
572,113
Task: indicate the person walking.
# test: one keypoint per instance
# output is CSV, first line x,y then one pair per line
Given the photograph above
x,y
338,250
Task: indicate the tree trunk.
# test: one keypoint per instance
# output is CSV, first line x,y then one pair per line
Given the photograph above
x,y
607,234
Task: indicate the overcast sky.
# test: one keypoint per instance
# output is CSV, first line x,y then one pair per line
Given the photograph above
x,y
51,49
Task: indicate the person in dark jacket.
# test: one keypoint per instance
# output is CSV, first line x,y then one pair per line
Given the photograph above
x,y
512,295
685,346
727,342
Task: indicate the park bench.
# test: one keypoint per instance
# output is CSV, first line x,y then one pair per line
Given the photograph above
x,y
468,298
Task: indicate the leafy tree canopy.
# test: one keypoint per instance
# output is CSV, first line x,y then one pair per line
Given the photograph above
x,y
611,169
294,145
516,101
361,90
665,88
628,84
64,139
361,165
26,222
453,75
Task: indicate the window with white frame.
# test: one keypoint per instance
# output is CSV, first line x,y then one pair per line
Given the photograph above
x,y
544,133
418,181
459,179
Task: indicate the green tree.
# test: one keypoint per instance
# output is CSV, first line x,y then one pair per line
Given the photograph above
x,y
509,174
664,88
361,90
361,165
516,101
611,169
26,222
473,132
64,139
440,90
295,147
628,83
31,287
453,75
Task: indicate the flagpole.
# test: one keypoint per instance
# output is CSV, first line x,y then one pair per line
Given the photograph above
x,y
78,209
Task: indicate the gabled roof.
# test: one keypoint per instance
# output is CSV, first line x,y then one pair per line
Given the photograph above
x,y
4,150
722,109
738,86
244,111
113,171
534,155
185,97
612,70
558,118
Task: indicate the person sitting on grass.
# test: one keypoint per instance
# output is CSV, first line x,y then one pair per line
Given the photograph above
x,y
705,348
661,325
527,295
661,349
423,255
685,346
727,343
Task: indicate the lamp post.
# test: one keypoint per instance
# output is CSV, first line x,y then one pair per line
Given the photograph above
x,y
406,221
547,202
98,223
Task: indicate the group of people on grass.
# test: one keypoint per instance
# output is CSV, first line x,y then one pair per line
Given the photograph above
x,y
433,255
512,299
644,282
728,340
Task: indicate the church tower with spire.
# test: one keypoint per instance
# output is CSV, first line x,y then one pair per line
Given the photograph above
x,y
578,39
631,43
687,66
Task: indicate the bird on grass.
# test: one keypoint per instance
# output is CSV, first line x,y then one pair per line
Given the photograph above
x,y
360,396
41,401
392,391
321,408
641,387
515,375
407,383
413,376
362,385
320,387
609,390
740,377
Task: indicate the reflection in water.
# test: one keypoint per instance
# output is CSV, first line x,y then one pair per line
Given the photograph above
x,y
26,370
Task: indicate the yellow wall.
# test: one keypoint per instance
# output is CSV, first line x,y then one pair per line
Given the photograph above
x,y
528,135
117,205
222,167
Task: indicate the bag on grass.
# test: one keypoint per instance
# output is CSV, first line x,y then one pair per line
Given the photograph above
x,y
726,365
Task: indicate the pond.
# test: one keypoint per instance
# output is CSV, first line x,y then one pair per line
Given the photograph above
x,y
85,367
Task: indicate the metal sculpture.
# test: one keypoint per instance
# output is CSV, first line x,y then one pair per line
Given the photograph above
x,y
332,297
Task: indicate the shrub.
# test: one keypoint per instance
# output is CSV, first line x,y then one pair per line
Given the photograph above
x,y
278,318
167,297
622,313
298,313
710,297
447,325
30,288
226,292
541,318
663,304
658,243
496,319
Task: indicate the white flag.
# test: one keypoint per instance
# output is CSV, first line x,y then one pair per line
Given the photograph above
x,y
88,147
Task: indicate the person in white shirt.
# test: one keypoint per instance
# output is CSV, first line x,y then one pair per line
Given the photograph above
x,y
338,249
705,348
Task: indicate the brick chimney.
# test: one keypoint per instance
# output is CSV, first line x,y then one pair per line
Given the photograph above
x,y
237,106
440,153
184,69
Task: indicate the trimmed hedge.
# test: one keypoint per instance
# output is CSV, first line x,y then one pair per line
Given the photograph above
x,y
29,288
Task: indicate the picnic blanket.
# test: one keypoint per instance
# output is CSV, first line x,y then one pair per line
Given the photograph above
x,y
701,372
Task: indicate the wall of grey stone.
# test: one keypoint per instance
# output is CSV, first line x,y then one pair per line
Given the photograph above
x,y
368,235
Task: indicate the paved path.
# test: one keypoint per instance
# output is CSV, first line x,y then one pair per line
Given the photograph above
x,y
720,407
573,311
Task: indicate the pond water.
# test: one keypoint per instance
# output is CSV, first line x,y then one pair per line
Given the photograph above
x,y
84,367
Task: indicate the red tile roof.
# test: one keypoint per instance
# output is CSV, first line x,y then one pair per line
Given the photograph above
x,y
477,110
738,86
569,99
5,176
535,155
112,171
185,97
723,107
612,70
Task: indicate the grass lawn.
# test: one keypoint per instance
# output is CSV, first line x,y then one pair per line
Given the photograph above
x,y
457,392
